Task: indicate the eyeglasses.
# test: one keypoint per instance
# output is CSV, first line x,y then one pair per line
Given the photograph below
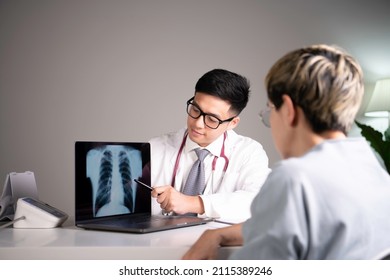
x,y
209,120
265,114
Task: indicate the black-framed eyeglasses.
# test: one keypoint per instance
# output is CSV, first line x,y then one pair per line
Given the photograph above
x,y
265,114
209,120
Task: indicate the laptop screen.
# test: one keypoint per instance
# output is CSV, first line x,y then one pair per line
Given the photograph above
x,y
104,179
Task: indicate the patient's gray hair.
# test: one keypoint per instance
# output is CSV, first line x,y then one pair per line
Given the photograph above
x,y
325,81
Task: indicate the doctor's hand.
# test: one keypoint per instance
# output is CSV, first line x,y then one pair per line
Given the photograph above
x,y
171,200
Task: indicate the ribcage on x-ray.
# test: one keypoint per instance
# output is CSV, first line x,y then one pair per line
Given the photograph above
x,y
111,169
124,170
105,181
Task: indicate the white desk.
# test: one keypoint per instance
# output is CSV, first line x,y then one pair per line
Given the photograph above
x,y
69,242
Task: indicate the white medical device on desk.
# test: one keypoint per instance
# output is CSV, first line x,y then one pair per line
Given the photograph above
x,y
32,213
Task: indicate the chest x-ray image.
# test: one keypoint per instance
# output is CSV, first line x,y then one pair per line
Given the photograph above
x,y
111,170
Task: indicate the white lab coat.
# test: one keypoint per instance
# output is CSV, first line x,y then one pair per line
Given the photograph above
x,y
228,195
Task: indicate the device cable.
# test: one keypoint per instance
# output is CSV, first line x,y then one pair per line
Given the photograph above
x,y
12,222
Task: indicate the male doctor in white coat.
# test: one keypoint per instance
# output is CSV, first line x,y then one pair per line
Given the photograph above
x,y
235,167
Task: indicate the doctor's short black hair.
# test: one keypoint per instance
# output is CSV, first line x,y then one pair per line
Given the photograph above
x,y
228,86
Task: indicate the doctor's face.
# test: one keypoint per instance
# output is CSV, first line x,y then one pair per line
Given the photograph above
x,y
215,109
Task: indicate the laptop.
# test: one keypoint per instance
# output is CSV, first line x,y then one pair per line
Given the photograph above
x,y
108,198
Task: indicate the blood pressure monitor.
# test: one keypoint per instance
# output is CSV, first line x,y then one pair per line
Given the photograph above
x,y
37,214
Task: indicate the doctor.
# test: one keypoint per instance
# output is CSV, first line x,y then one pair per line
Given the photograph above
x,y
235,167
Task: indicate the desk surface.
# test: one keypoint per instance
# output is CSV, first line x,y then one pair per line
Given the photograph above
x,y
70,242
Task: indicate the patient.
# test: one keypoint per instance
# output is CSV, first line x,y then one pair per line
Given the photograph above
x,y
328,198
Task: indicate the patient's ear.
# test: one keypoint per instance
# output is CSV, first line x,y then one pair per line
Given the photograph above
x,y
289,110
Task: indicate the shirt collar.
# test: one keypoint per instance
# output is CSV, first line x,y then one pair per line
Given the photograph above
x,y
214,148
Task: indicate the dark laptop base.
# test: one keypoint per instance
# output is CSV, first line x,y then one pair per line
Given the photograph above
x,y
146,225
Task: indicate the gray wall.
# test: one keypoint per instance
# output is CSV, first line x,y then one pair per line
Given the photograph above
x,y
122,71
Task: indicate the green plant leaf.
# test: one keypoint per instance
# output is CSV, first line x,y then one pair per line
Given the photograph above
x,y
375,138
387,134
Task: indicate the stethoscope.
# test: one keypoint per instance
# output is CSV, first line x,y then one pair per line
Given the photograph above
x,y
214,163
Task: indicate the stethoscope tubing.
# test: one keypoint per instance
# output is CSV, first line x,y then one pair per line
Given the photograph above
x,y
214,163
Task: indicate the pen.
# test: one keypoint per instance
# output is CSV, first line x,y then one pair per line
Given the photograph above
x,y
143,184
